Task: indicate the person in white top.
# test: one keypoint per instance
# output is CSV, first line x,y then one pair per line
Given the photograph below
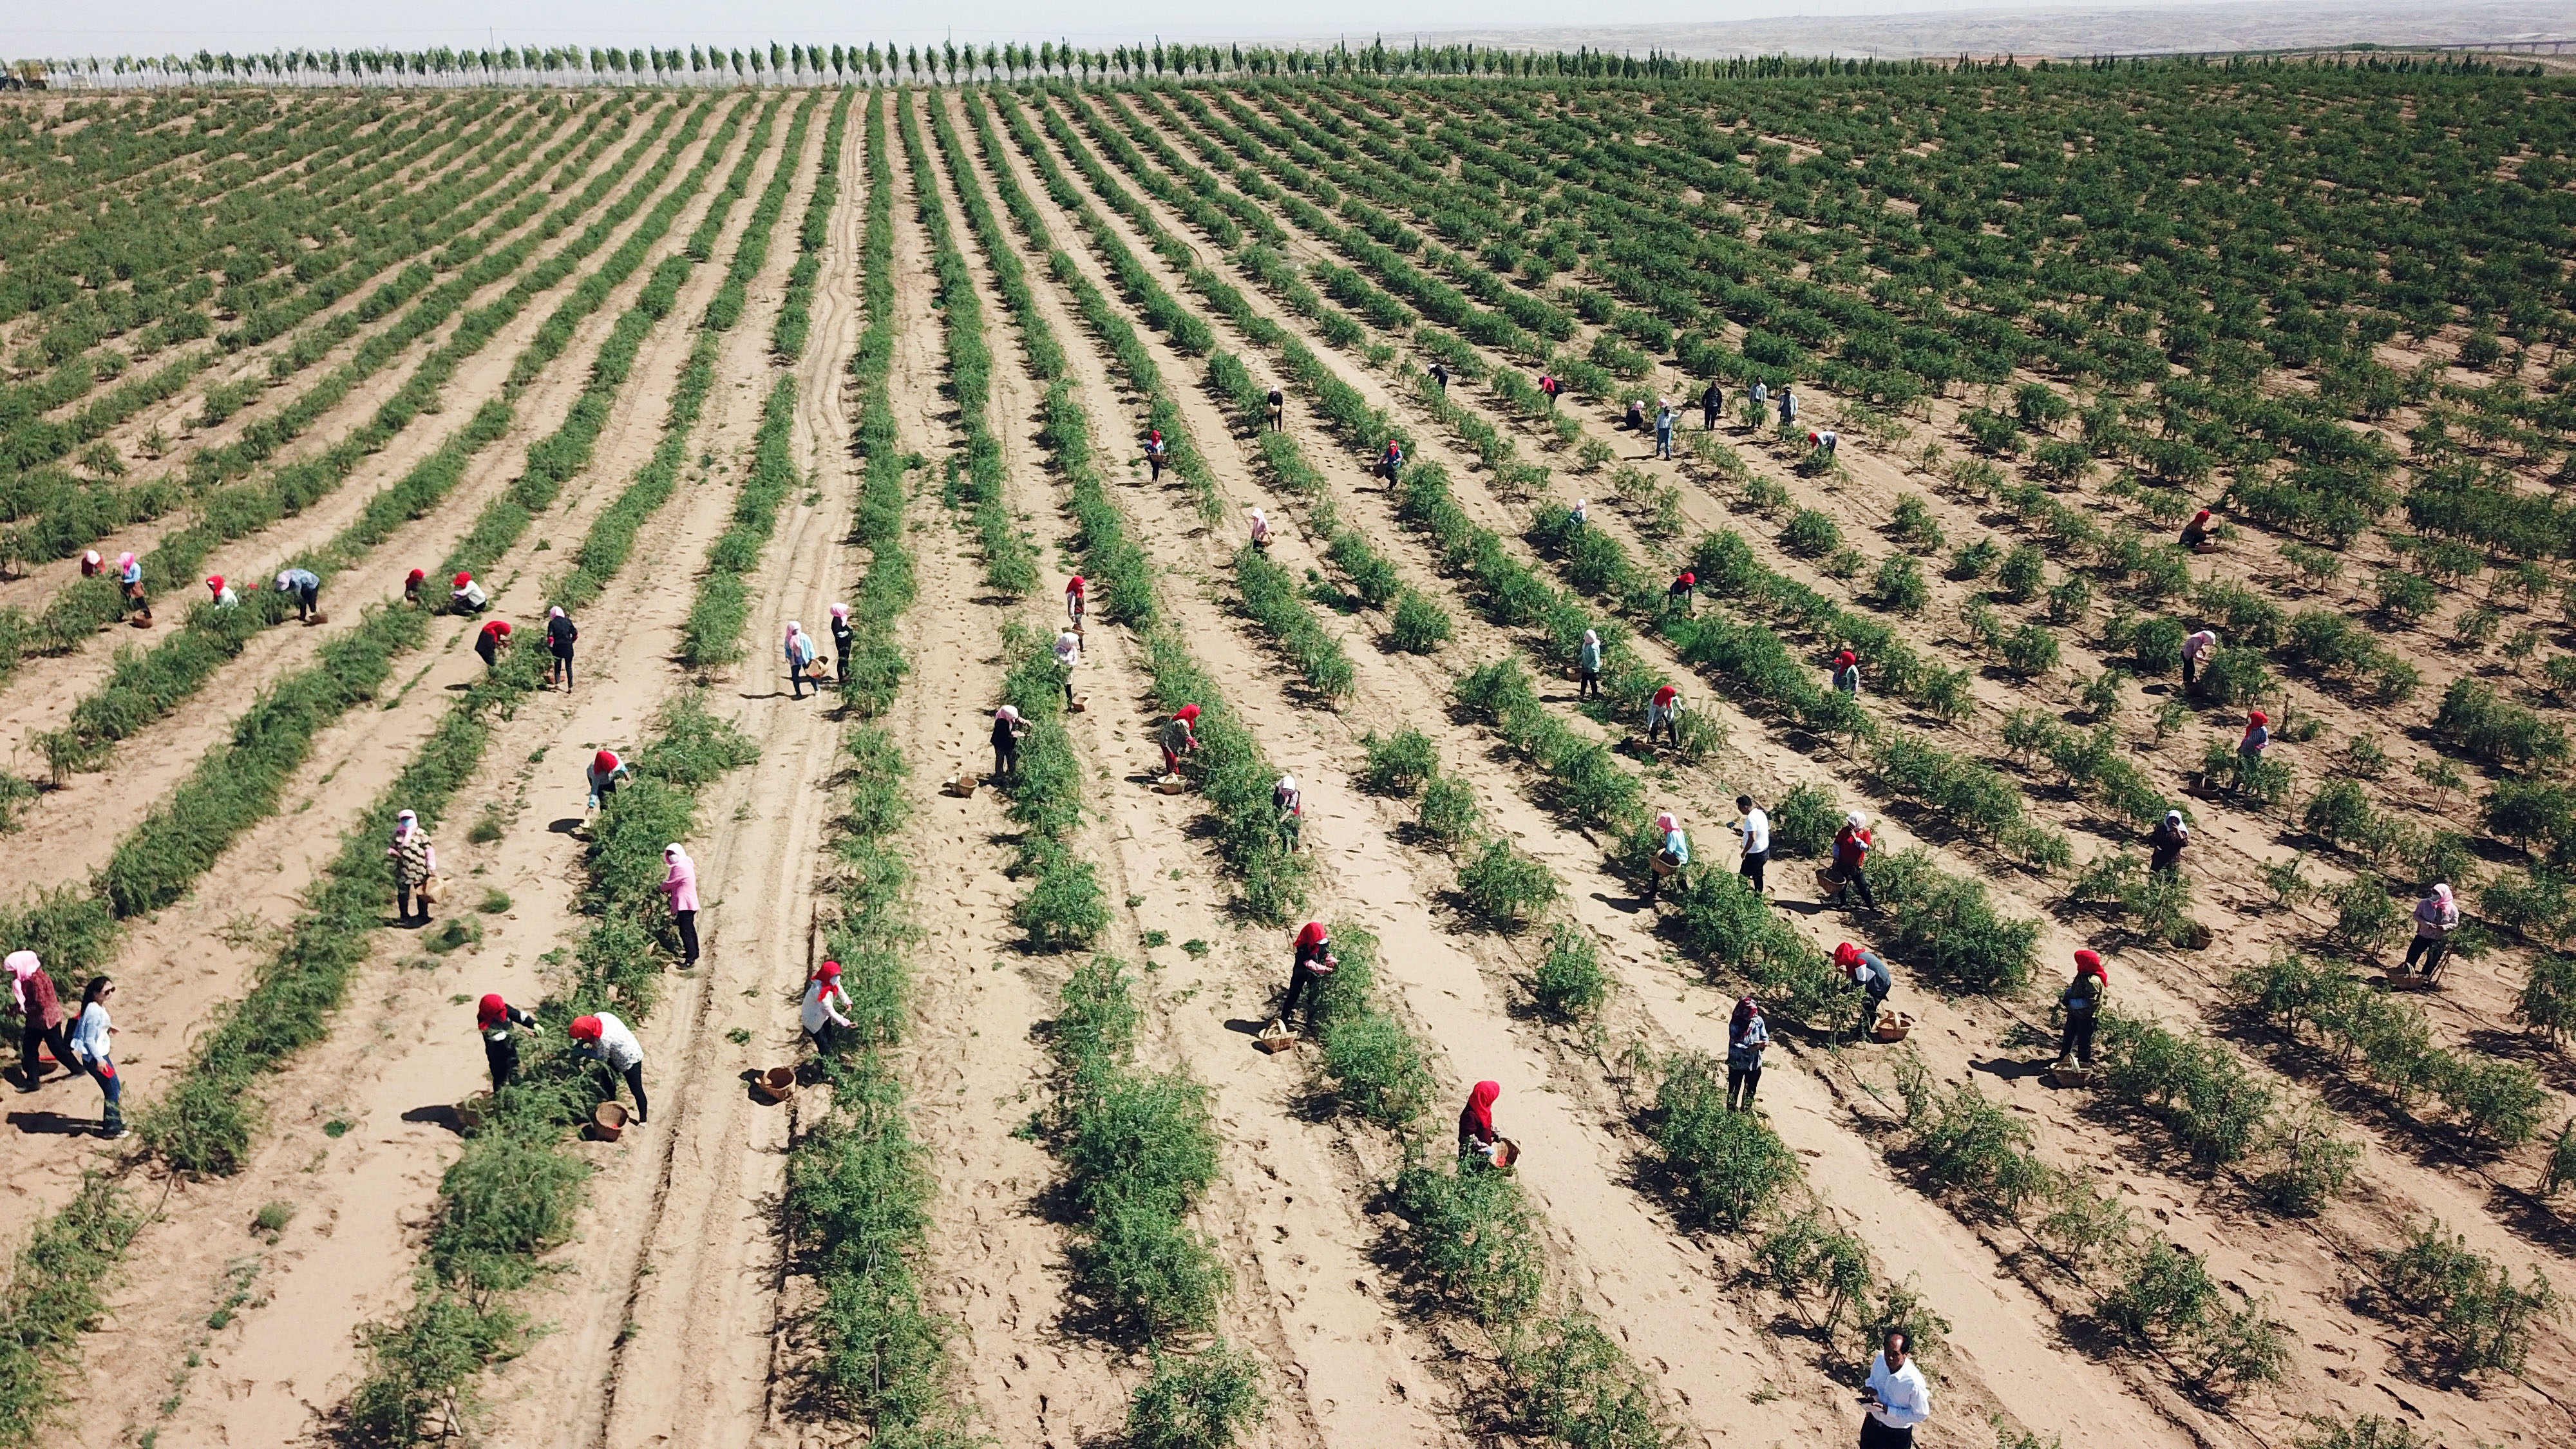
x,y
1755,827
821,1018
605,1039
1260,529
1899,1399
1068,653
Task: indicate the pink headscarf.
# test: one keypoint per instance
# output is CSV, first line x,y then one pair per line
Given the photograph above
x,y
22,964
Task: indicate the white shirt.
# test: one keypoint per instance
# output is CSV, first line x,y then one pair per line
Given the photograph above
x,y
1908,1399
89,1036
617,1046
1757,832
818,1006
472,595
1068,651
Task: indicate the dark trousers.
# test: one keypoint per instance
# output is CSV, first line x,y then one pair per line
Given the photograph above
x,y
2077,1040
1303,985
1869,1008
1755,863
1154,463
824,1038
2431,949
563,666
1670,724
1591,685
1708,420
2190,672
796,678
1848,881
403,893
2166,859
503,1058
308,601
490,651
1743,1079
56,1038
1875,1435
635,1083
688,923
1006,761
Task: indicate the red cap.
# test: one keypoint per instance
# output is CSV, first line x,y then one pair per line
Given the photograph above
x,y
585,1028
1314,934
462,579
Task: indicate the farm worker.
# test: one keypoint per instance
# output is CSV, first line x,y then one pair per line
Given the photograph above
x,y
1675,852
1579,517
1846,674
1788,406
91,565
2250,748
129,576
1260,529
1476,1126
2436,917
490,641
2082,999
822,1019
92,1052
799,649
1587,661
841,643
223,593
1871,976
306,587
2195,534
2195,653
1068,653
602,776
466,596
1760,394
1179,738
1390,461
1289,803
561,634
1746,1035
1664,418
1548,388
2166,842
1684,587
415,858
1636,416
1711,399
1852,845
40,1009
1155,453
1755,827
1007,732
1278,409
681,885
494,1018
1313,962
1440,375
411,585
604,1038
1826,440
1664,712
1903,1400
1076,599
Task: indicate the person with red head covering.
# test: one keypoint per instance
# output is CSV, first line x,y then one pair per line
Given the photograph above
x,y
1871,976
1664,715
1846,673
606,769
2250,747
2082,999
466,596
1075,599
823,1021
1684,586
605,1039
1313,962
1391,462
1476,1136
1746,1035
489,643
225,597
2195,534
1852,845
1157,453
494,1018
1180,736
412,584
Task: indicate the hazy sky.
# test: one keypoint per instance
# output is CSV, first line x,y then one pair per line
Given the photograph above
x,y
141,27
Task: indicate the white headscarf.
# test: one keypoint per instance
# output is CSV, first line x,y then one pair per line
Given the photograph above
x,y
556,612
1068,647
1008,712
2174,819
1856,820
405,824
1578,508
676,856
1592,637
281,581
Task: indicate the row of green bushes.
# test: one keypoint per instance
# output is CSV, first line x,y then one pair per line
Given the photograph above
x,y
877,667
514,1193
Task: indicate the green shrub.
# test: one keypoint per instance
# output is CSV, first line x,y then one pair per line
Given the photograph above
x,y
1449,813
1975,560
2547,1003
1504,886
2561,1168
1568,984
1372,577
1400,763
1899,586
2070,601
2365,915
1946,927
1979,1152
2235,676
2030,651
1723,1168
1205,1400
2368,1431
1568,1382
2023,574
2218,1108
2405,596
2466,1313
1820,1268
2311,1162
1473,1235
2156,645
1065,908
1419,626
1811,534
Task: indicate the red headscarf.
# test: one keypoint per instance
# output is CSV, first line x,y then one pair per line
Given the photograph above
x,y
1667,695
1480,1109
2201,517
1745,1010
416,576
215,585
2258,717
605,761
1074,586
1690,580
1313,935
1847,955
1846,659
497,629
462,580
491,1012
1189,712
2089,963
585,1028
827,972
